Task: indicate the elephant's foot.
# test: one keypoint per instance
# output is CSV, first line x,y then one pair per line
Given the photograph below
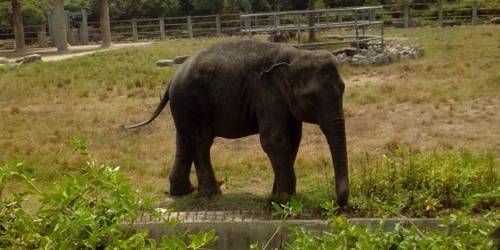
x,y
281,197
180,189
210,190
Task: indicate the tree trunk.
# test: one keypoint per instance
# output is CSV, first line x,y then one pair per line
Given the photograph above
x,y
59,24
17,20
312,33
105,26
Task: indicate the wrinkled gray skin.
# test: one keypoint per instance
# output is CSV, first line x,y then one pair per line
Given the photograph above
x,y
239,88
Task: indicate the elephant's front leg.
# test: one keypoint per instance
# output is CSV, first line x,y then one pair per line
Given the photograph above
x,y
280,144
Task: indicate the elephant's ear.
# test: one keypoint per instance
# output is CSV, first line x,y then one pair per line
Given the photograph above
x,y
281,72
282,66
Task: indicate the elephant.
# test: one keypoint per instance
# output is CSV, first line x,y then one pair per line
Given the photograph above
x,y
243,87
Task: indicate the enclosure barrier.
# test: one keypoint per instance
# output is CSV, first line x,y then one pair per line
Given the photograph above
x,y
407,14
359,19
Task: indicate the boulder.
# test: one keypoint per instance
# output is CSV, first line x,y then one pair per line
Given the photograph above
x,y
3,60
495,20
347,51
9,44
165,63
31,58
180,59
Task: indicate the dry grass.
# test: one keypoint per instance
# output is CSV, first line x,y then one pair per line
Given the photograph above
x,y
446,100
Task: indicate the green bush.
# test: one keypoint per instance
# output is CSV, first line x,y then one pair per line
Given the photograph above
x,y
95,208
467,233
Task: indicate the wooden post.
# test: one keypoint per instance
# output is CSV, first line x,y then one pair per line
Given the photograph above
x,y
84,28
190,26
135,34
339,16
162,28
440,13
218,25
276,23
371,15
247,24
406,14
312,31
474,13
357,29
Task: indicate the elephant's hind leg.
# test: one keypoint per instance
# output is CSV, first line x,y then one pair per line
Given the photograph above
x,y
179,175
207,184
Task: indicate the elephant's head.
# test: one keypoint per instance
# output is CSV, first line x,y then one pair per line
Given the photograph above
x,y
313,89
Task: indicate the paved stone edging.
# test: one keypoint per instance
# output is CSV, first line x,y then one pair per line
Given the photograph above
x,y
240,234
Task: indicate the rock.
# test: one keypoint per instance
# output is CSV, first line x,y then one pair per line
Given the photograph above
x,y
9,45
417,52
359,59
180,59
3,60
381,58
495,20
165,63
348,51
31,58
343,58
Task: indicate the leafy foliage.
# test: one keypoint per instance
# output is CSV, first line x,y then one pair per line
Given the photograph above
x,y
93,209
467,233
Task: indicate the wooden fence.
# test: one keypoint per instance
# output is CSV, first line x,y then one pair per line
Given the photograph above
x,y
437,13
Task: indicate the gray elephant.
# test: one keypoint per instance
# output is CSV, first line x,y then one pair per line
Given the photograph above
x,y
243,87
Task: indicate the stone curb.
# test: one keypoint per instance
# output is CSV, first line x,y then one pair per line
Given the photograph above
x,y
241,234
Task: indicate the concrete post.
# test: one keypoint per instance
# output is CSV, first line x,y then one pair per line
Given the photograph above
x,y
84,28
474,13
135,33
190,26
218,25
67,20
51,27
440,13
406,14
42,37
162,28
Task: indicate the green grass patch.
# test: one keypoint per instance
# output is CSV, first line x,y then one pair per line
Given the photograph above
x,y
413,184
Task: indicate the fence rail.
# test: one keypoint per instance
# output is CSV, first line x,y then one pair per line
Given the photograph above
x,y
436,13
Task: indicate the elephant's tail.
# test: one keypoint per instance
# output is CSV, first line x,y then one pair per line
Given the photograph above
x,y
163,102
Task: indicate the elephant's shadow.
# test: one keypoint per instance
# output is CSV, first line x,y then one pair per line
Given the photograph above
x,y
223,202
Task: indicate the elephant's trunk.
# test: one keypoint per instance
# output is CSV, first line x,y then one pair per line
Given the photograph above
x,y
333,126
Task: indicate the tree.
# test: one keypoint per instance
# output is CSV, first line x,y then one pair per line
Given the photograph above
x,y
105,25
17,21
59,25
